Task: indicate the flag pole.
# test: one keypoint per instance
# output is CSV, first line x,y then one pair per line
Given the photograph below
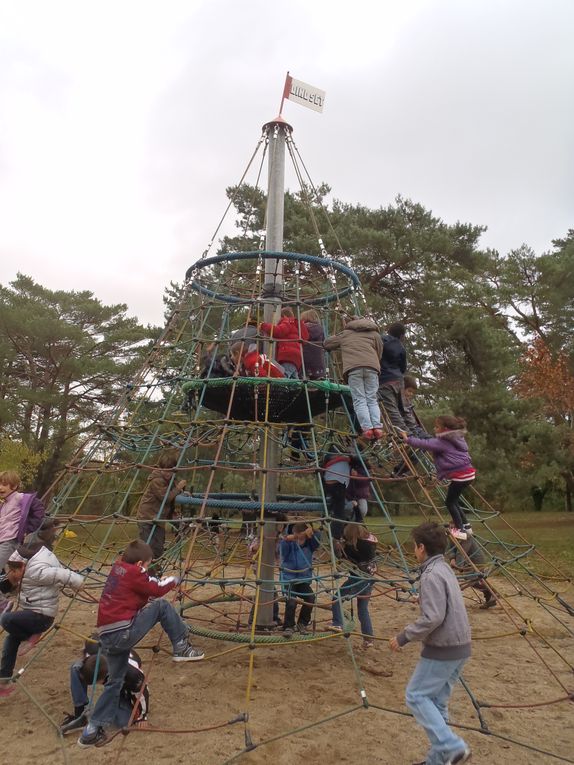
x,y
286,89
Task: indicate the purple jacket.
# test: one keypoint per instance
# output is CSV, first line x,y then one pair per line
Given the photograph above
x,y
449,451
359,487
313,353
31,515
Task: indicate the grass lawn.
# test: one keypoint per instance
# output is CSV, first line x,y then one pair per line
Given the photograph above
x,y
552,533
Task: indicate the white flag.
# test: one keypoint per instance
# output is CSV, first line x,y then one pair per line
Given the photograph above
x,y
304,94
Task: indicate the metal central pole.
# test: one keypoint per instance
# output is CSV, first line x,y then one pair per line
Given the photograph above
x,y
271,296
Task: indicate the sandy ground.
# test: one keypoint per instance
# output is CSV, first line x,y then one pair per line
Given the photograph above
x,y
294,685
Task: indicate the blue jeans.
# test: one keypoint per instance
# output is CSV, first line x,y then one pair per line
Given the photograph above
x,y
364,384
79,693
78,688
290,370
360,588
116,647
427,696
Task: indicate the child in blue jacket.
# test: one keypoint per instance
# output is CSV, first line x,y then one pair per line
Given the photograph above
x,y
296,572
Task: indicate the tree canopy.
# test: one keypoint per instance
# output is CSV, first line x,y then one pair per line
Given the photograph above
x,y
64,360
472,316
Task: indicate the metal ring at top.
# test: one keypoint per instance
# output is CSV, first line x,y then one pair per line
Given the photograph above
x,y
269,255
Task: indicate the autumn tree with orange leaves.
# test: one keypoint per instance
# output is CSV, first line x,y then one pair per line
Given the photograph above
x,y
545,377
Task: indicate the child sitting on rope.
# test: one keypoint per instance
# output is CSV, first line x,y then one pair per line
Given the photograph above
x,y
444,631
40,577
466,557
361,348
290,333
131,604
296,571
93,668
452,461
20,514
216,365
360,548
253,363
157,504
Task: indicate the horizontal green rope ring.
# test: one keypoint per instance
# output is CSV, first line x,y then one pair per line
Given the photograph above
x,y
270,255
215,382
245,637
244,502
234,504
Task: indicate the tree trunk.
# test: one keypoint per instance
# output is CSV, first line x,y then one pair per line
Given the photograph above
x,y
569,481
538,493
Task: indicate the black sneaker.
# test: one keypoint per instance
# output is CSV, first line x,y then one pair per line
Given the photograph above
x,y
92,737
302,629
71,723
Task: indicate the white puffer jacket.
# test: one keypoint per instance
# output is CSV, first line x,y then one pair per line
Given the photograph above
x,y
42,581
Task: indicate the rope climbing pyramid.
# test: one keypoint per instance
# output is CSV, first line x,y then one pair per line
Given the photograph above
x,y
214,408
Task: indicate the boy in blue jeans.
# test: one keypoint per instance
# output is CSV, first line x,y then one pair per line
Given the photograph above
x,y
296,569
444,631
125,615
92,668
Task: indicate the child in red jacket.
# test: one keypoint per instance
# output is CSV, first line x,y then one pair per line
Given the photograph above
x,y
131,604
290,333
253,363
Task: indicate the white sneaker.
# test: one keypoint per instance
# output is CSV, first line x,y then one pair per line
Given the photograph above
x,y
459,757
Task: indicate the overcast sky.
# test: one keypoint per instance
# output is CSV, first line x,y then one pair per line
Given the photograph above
x,y
122,123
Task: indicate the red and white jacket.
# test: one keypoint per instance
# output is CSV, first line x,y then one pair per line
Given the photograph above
x,y
127,590
289,332
260,365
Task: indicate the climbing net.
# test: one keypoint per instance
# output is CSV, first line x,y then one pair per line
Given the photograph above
x,y
223,428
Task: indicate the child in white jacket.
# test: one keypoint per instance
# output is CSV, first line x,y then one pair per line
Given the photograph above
x,y
40,576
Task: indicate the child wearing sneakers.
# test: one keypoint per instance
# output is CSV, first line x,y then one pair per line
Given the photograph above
x,y
361,348
296,569
360,549
467,558
444,631
131,604
39,575
93,668
452,461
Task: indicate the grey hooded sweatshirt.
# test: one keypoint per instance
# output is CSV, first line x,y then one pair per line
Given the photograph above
x,y
360,344
443,625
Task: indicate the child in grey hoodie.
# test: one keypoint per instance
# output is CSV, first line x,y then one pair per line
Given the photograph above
x,y
444,631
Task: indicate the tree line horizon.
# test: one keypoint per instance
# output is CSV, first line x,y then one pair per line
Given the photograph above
x,y
489,338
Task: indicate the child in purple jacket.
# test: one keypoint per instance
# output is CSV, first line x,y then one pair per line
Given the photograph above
x,y
359,489
20,514
452,462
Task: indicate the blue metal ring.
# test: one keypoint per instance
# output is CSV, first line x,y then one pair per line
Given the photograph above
x,y
269,255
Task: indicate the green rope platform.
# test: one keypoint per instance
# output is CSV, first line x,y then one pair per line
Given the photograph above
x,y
217,382
245,637
265,398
